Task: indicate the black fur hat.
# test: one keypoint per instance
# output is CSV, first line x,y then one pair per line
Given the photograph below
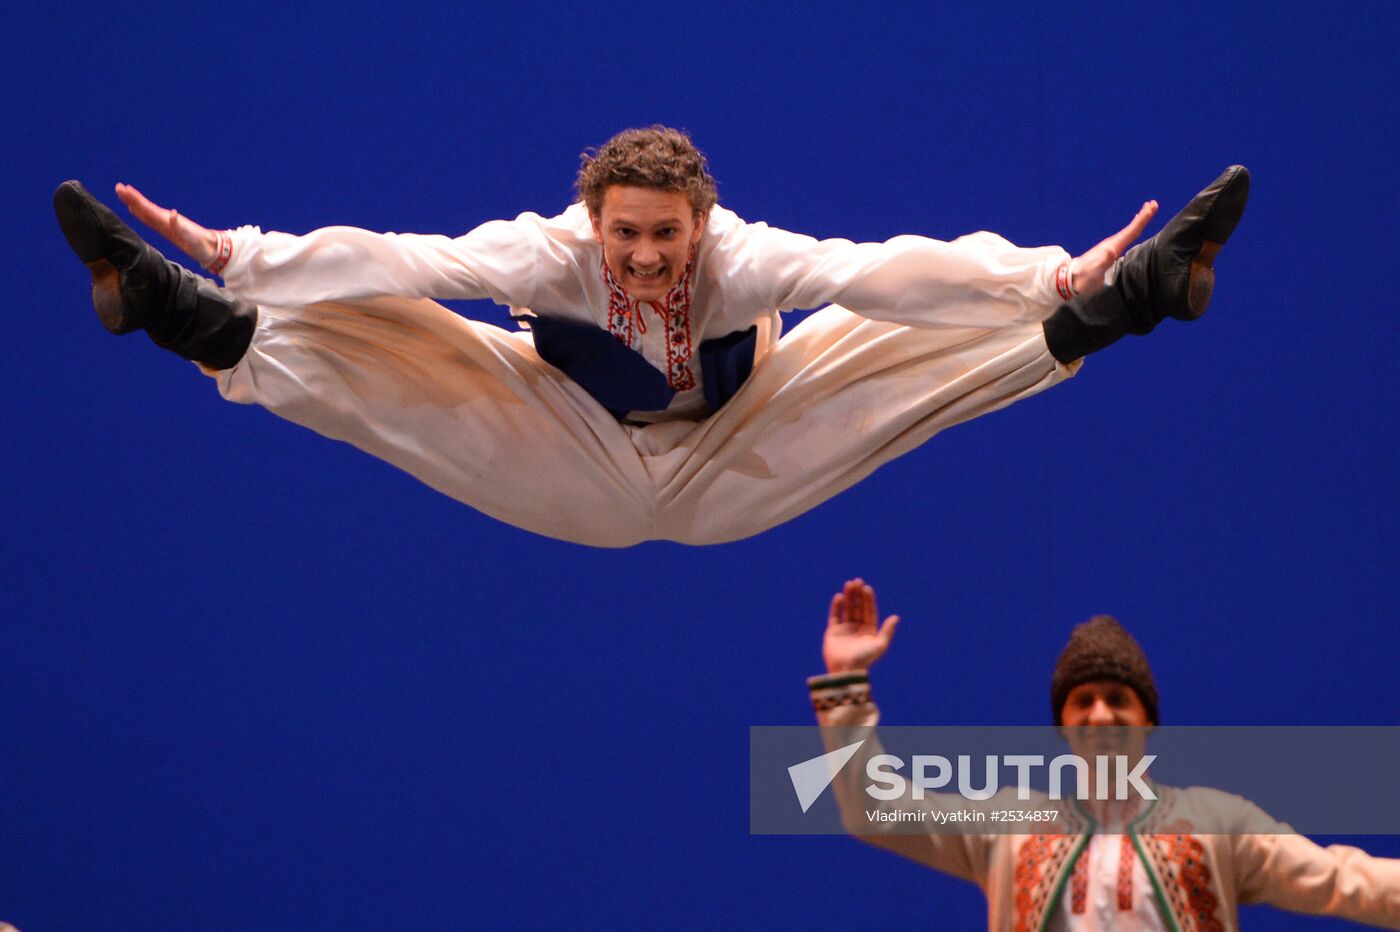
x,y
1100,649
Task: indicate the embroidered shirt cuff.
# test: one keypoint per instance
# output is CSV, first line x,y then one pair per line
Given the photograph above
x,y
837,689
223,252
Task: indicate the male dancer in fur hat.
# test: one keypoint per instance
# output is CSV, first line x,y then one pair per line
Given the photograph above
x,y
1134,868
651,397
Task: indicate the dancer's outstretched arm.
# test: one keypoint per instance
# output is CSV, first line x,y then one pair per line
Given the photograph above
x,y
979,280
503,260
855,638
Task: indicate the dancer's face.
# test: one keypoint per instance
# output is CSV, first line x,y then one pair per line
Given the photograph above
x,y
646,236
1103,702
1091,706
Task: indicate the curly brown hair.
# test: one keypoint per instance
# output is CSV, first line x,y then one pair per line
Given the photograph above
x,y
655,157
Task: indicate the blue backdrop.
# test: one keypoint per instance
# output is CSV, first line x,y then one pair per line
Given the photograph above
x,y
253,677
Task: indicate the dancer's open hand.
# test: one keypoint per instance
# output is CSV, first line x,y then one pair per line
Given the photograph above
x,y
1089,269
197,242
853,639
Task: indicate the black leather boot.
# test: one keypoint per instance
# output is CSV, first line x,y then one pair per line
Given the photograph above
x,y
1170,275
134,287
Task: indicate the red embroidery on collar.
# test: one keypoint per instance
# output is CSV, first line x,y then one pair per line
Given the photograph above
x,y
625,321
1126,857
1079,882
1030,879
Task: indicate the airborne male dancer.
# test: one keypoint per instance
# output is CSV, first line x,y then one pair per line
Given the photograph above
x,y
651,397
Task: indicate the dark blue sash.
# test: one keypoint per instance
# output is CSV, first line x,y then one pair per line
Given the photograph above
x,y
621,380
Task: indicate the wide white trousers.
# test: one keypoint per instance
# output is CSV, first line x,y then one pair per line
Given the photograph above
x,y
472,410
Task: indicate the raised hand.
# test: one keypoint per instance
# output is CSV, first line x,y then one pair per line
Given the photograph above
x,y
195,241
853,639
1088,270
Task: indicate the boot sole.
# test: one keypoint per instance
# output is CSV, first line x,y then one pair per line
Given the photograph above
x,y
1201,279
107,296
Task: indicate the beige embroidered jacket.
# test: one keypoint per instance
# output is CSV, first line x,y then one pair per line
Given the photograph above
x,y
1199,879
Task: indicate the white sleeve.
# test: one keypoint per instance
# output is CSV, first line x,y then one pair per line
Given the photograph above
x,y
977,280
1287,870
846,715
499,260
